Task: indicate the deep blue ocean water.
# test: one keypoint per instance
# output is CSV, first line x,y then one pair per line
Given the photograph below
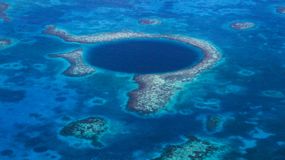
x,y
37,100
143,56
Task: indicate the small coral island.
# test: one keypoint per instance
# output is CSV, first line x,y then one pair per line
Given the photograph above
x,y
155,90
194,149
3,15
242,25
90,128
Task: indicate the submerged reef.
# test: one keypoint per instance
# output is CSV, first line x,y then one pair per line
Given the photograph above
x,y
7,153
11,96
246,72
155,90
273,94
194,149
3,15
149,21
280,9
77,67
204,103
242,25
90,128
213,122
5,43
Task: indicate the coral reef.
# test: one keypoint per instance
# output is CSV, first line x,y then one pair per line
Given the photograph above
x,y
273,94
7,153
89,39
13,66
149,21
242,25
204,103
280,9
246,72
155,90
90,128
95,101
11,96
213,123
77,67
5,43
152,95
3,15
193,149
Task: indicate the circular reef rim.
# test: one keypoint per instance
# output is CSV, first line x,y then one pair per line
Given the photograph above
x,y
154,91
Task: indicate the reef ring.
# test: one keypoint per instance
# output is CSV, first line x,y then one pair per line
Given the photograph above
x,y
155,90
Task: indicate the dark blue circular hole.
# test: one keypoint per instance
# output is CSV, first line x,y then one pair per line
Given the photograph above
x,y
143,56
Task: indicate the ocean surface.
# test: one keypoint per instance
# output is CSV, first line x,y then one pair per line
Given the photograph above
x,y
245,89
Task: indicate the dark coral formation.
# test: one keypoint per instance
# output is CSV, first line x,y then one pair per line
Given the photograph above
x,y
155,90
40,149
5,43
77,67
273,94
7,153
11,96
193,149
90,128
213,122
3,15
280,9
242,25
149,21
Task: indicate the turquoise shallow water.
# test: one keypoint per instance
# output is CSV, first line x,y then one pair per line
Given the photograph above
x,y
245,90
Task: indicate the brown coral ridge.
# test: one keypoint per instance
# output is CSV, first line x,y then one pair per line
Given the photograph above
x,y
90,128
52,30
90,39
152,94
77,66
155,90
3,15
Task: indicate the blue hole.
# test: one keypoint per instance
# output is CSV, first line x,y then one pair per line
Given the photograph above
x,y
142,56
